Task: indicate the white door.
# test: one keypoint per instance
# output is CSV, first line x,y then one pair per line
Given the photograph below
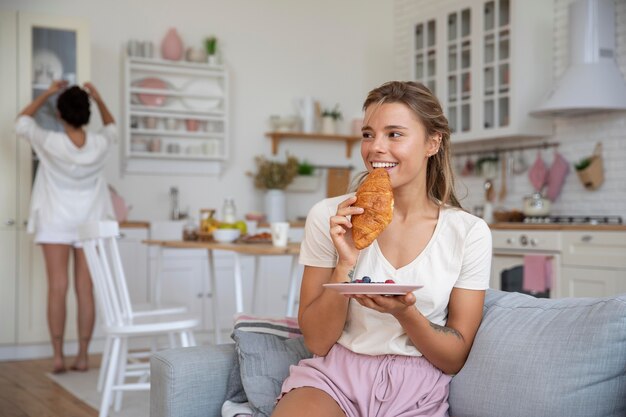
x,y
49,47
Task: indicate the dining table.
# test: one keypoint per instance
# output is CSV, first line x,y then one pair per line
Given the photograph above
x,y
239,250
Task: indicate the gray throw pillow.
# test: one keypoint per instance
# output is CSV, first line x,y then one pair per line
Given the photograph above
x,y
264,361
543,357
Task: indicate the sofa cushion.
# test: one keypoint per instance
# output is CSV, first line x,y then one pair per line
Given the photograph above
x,y
266,347
544,357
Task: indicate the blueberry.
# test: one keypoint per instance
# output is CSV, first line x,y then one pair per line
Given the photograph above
x,y
366,279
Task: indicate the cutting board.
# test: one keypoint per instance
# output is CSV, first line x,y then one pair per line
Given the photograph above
x,y
337,181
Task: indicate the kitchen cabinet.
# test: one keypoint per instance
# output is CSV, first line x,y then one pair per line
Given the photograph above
x,y
184,281
34,49
277,137
174,111
8,176
489,63
594,264
134,255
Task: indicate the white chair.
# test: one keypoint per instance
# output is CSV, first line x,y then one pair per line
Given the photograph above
x,y
120,321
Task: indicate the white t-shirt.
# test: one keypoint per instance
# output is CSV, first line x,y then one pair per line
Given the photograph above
x,y
69,188
458,255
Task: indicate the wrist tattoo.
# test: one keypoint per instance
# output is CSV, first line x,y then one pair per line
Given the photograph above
x,y
351,273
447,330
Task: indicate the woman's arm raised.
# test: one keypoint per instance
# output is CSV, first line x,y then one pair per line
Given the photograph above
x,y
107,118
39,101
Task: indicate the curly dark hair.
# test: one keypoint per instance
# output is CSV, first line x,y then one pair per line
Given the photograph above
x,y
73,106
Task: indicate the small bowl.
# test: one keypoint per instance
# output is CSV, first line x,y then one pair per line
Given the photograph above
x,y
226,235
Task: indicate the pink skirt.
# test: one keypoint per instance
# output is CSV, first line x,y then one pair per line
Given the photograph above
x,y
368,386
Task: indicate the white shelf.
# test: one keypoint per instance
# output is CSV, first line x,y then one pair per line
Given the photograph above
x,y
195,92
179,133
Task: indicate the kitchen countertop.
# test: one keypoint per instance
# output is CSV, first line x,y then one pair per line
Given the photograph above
x,y
134,224
555,226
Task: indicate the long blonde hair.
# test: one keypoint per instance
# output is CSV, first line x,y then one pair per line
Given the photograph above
x,y
418,98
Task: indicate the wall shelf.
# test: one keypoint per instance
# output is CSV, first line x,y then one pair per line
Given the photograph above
x,y
278,136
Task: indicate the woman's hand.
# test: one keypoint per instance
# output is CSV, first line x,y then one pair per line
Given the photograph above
x,y
93,92
394,305
56,86
339,226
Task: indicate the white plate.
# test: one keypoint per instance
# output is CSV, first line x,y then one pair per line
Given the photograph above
x,y
47,66
375,289
202,87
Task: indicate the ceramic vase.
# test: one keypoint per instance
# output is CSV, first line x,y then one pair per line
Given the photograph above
x,y
275,206
172,46
328,126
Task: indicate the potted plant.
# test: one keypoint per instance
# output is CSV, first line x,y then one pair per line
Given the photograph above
x,y
210,46
330,117
306,180
274,177
590,170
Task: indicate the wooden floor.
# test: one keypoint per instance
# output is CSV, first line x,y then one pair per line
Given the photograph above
x,y
26,391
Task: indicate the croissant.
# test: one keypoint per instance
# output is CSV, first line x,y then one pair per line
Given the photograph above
x,y
375,196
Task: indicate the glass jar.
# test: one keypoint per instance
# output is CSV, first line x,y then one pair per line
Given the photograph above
x,y
229,212
190,230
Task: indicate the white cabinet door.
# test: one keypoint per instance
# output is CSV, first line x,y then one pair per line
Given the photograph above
x,y
47,47
592,282
8,176
181,281
8,290
134,256
594,263
8,112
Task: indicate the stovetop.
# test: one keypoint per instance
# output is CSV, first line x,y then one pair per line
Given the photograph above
x,y
562,219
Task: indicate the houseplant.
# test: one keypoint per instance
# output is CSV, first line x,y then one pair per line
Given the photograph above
x,y
210,46
330,117
590,170
274,177
306,180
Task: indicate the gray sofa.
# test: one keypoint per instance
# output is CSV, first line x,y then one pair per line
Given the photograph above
x,y
531,357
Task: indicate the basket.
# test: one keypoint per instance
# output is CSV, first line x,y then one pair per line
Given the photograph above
x,y
592,176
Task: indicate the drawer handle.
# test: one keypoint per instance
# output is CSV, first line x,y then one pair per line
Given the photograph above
x,y
586,238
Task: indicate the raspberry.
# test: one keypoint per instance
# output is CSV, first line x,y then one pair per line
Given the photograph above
x,y
389,281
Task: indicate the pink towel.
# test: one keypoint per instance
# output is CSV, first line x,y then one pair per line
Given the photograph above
x,y
538,173
537,273
556,176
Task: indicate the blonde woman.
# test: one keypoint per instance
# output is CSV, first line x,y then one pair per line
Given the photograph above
x,y
388,356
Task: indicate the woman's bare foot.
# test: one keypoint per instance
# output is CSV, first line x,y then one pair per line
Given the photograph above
x,y
80,365
58,366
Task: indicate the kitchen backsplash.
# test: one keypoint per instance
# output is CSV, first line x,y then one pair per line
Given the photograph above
x,y
577,136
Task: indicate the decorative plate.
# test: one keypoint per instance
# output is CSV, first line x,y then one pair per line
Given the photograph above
x,y
205,87
373,288
149,99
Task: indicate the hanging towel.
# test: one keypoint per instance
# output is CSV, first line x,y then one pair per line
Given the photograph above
x,y
537,273
538,173
556,176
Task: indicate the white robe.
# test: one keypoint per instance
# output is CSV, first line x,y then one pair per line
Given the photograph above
x,y
69,188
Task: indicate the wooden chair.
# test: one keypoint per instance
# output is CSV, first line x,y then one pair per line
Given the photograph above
x,y
120,320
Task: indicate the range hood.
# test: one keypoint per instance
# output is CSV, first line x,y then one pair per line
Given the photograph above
x,y
593,82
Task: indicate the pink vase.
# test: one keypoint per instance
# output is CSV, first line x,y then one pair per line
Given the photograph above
x,y
172,46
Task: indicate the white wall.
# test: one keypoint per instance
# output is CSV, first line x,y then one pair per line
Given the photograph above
x,y
276,50
577,136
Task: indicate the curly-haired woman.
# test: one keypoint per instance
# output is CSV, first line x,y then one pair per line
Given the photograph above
x,y
69,189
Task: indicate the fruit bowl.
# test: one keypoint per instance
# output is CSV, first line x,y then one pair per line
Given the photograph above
x,y
226,235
